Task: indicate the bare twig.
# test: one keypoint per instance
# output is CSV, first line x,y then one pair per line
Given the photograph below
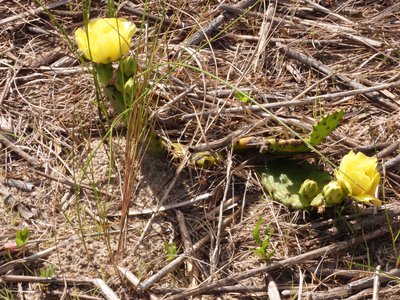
x,y
392,163
129,7
14,263
357,285
198,36
30,159
273,291
107,292
323,9
35,279
164,207
192,270
388,150
375,293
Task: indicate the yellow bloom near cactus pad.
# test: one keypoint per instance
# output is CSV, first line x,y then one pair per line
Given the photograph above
x,y
105,40
359,177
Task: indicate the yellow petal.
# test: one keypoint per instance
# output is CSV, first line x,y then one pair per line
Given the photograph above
x,y
346,161
367,199
375,183
360,183
344,182
107,38
81,39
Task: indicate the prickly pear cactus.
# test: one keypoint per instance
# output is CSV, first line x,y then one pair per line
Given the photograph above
x,y
320,130
298,185
324,127
116,98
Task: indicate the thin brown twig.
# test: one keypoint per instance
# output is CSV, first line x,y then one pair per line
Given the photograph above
x,y
13,147
198,36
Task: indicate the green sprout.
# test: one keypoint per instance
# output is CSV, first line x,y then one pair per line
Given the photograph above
x,y
22,237
261,250
47,272
170,251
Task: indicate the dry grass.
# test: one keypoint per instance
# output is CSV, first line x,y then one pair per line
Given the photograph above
x,y
51,137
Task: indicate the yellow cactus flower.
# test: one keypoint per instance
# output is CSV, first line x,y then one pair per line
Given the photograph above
x,y
106,39
359,177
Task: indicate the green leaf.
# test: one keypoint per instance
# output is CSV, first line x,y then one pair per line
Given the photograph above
x,y
265,243
325,126
256,232
260,252
22,237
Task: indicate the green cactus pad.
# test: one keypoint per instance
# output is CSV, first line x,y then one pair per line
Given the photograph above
x,y
116,98
284,145
155,145
320,130
324,127
283,179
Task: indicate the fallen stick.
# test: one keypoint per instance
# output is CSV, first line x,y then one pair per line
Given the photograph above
x,y
392,163
323,9
323,251
7,143
199,35
44,280
304,25
388,150
239,288
8,266
107,292
163,207
355,286
192,271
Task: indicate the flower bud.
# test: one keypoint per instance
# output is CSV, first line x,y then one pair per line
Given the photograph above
x,y
128,66
318,201
130,88
309,189
333,193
